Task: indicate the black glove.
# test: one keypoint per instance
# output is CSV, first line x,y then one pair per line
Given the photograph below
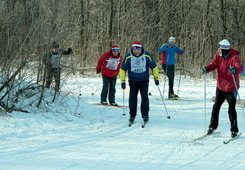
x,y
183,49
98,72
156,82
168,44
69,50
204,70
232,70
123,85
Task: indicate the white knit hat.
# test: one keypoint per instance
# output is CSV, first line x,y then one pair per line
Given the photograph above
x,y
224,44
171,38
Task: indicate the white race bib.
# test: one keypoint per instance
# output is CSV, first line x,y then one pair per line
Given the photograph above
x,y
138,64
112,63
55,60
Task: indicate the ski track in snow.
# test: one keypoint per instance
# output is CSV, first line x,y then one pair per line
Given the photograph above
x,y
85,136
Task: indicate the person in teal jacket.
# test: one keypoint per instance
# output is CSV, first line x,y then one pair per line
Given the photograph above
x,y
168,51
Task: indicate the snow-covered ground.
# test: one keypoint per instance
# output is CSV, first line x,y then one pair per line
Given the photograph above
x,y
72,133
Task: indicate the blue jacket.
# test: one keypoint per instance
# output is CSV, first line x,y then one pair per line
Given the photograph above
x,y
138,67
243,73
168,54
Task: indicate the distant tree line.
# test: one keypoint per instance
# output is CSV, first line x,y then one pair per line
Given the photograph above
x,y
91,27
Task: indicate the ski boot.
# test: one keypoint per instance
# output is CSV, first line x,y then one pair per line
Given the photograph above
x,y
173,96
146,120
104,102
114,104
131,121
234,134
210,131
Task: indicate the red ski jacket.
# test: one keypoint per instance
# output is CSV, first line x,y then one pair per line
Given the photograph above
x,y
225,80
109,65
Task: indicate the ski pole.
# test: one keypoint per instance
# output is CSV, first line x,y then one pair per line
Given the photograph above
x,y
163,102
166,72
205,104
123,103
164,83
96,91
97,88
182,61
237,91
179,84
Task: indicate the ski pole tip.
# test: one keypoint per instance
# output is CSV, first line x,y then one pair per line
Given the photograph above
x,y
168,117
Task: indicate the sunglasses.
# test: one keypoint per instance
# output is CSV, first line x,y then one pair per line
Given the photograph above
x,y
137,48
115,50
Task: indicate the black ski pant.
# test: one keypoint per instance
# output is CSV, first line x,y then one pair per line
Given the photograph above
x,y
135,87
108,89
170,72
53,73
220,98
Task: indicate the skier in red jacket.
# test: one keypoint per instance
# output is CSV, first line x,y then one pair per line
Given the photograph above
x,y
228,65
109,65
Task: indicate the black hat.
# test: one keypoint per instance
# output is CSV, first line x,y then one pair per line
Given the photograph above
x,y
55,45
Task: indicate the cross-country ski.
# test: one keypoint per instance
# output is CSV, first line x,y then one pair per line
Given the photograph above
x,y
232,139
205,136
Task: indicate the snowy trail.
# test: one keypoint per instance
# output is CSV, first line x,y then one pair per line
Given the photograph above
x,y
99,137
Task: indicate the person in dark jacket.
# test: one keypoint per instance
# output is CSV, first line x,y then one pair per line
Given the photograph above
x,y
228,65
109,65
137,63
52,64
168,51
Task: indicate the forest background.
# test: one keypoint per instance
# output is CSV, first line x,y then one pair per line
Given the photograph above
x,y
91,27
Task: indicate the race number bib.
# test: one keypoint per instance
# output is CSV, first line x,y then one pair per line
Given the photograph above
x,y
55,60
138,64
112,63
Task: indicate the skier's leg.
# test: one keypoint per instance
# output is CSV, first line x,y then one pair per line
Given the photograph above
x,y
133,98
104,91
49,78
220,98
112,89
144,99
171,79
231,98
57,72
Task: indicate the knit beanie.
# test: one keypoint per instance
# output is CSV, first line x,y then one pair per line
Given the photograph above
x,y
137,44
171,39
55,45
224,44
115,47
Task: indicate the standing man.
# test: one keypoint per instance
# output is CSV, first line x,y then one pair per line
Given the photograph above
x,y
137,63
168,51
52,64
109,65
228,65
